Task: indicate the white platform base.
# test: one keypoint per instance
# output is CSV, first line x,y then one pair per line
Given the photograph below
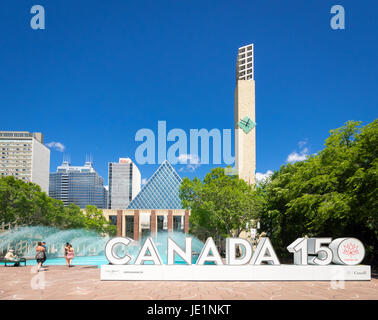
x,y
235,273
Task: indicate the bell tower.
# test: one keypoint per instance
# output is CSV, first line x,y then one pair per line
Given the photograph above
x,y
245,135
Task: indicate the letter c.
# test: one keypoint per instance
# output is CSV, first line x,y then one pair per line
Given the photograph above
x,y
111,254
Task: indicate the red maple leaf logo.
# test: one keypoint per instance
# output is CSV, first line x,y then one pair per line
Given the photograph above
x,y
350,249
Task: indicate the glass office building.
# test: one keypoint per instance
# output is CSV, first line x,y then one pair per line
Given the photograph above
x,y
161,190
80,185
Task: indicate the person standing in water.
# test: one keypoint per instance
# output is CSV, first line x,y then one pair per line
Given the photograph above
x,y
70,254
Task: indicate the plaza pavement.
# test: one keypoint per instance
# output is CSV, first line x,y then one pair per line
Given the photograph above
x,y
83,282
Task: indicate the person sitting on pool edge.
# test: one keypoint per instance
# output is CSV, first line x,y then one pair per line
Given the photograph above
x,y
12,257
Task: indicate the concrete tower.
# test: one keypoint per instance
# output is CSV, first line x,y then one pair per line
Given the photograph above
x,y
245,135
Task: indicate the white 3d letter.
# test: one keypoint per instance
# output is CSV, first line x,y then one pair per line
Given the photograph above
x,y
153,256
265,252
204,255
110,251
231,244
174,248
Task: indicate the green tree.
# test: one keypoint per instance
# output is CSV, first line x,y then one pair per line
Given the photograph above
x,y
221,205
95,220
333,193
25,204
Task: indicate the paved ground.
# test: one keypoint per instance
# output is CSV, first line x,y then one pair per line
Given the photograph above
x,y
83,282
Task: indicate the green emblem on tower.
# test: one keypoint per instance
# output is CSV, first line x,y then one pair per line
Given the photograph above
x,y
246,124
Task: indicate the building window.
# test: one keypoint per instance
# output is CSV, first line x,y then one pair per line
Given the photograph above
x,y
162,224
177,224
129,226
113,220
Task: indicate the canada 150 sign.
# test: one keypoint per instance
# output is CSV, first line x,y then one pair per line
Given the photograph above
x,y
314,259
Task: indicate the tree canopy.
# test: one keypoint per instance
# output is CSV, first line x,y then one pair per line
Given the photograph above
x,y
25,204
221,205
332,193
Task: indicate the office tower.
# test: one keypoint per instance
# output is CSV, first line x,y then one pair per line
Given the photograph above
x,y
124,183
24,156
245,135
80,185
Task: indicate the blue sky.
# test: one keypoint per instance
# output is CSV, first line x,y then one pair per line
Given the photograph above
x,y
102,70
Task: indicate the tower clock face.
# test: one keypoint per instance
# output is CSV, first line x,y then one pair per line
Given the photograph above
x,y
246,124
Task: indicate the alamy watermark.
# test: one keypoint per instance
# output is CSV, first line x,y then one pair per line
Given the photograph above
x,y
177,152
38,281
338,20
38,20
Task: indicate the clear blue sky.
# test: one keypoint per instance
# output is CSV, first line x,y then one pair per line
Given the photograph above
x,y
101,70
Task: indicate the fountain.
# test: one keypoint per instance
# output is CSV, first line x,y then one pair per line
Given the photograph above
x,y
89,246
24,240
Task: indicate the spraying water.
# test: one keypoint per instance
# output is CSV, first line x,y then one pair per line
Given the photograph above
x,y
24,240
86,243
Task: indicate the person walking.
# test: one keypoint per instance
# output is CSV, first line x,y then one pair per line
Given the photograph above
x,y
40,254
70,255
66,248
45,258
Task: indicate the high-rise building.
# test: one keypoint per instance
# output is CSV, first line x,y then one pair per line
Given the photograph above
x,y
80,185
24,156
245,135
124,183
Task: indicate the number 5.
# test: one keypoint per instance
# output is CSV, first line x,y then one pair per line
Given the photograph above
x,y
323,255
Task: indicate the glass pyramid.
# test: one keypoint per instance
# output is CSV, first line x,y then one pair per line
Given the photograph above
x,y
161,191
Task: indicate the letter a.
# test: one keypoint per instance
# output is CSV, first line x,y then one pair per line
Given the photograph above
x,y
148,146
205,253
38,21
154,256
338,20
264,252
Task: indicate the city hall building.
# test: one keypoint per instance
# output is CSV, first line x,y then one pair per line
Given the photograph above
x,y
156,208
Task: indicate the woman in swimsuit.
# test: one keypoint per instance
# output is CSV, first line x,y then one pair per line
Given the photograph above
x,y
70,255
66,248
